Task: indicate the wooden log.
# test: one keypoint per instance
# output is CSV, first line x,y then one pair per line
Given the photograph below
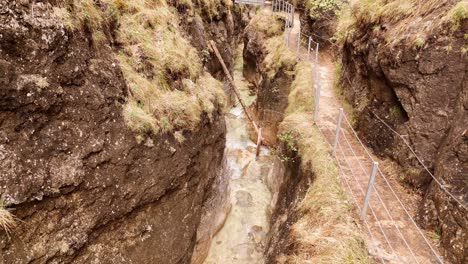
x,y
259,142
231,80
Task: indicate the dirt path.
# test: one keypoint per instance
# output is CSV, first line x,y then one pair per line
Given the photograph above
x,y
394,236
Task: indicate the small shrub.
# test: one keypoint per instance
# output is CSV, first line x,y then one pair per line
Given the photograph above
x,y
464,50
317,8
289,140
179,136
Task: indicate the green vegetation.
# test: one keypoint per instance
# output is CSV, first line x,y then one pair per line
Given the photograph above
x,y
325,232
396,112
458,13
304,98
396,15
169,89
288,139
318,8
434,235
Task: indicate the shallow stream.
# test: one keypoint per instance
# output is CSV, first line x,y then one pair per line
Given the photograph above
x,y
242,238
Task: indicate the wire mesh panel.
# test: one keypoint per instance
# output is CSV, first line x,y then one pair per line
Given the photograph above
x,y
250,2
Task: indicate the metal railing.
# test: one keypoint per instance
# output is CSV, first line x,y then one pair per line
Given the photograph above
x,y
374,194
250,2
381,209
287,8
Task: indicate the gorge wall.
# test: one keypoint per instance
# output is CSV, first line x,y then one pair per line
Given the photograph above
x,y
89,167
406,63
269,67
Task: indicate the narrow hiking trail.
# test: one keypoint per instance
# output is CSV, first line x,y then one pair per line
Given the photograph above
x,y
242,238
394,236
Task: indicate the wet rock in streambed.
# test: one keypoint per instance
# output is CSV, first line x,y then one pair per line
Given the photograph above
x,y
244,199
258,235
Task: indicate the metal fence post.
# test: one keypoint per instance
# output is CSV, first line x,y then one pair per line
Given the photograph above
x,y
369,188
317,77
337,134
298,43
292,15
289,33
317,100
308,47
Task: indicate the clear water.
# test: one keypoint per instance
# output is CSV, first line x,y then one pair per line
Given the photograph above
x,y
242,238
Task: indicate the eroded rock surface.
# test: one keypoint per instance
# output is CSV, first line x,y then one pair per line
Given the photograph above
x,y
84,188
271,71
412,73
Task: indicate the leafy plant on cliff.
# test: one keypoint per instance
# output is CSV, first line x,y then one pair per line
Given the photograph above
x,y
289,140
318,8
346,24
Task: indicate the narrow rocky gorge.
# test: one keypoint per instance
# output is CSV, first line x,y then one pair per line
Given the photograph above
x,y
121,140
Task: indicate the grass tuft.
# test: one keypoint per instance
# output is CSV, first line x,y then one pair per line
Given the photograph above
x,y
7,220
457,14
269,25
279,56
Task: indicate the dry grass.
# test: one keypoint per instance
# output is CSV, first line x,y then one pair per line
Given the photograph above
x,y
267,25
169,89
346,24
303,98
399,18
325,233
279,56
7,220
42,82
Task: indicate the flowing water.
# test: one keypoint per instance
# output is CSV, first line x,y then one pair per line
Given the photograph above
x,y
242,238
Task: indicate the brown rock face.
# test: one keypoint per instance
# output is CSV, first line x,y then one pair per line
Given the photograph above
x,y
420,90
319,21
85,190
226,30
271,79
